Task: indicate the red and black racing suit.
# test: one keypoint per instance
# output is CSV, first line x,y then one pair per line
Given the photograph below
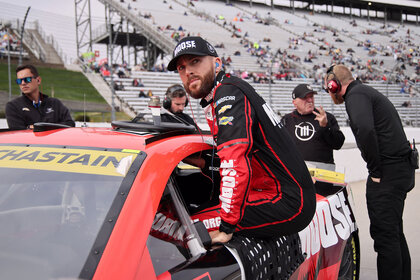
x,y
266,189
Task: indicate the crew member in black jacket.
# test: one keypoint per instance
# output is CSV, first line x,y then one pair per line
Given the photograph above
x,y
33,106
381,139
265,189
315,131
174,102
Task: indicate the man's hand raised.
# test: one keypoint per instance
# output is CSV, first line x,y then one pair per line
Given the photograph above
x,y
321,116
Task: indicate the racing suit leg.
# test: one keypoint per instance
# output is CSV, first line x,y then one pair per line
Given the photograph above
x,y
385,203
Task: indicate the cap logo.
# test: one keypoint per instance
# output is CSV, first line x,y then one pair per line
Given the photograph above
x,y
210,48
183,46
308,87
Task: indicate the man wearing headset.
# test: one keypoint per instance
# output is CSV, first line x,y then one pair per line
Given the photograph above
x,y
381,139
34,106
175,101
265,189
315,131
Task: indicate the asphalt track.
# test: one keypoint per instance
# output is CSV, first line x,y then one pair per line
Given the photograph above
x,y
411,230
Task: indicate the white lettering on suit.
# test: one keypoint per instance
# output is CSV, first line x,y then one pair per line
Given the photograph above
x,y
228,184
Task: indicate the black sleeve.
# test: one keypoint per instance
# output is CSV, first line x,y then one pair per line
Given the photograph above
x,y
15,119
333,135
64,115
359,109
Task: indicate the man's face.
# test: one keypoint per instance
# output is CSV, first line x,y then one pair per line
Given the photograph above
x,y
305,105
178,104
28,88
197,74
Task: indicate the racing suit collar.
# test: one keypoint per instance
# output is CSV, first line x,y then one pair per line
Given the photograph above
x,y
209,98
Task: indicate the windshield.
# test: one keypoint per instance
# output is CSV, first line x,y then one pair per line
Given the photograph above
x,y
51,211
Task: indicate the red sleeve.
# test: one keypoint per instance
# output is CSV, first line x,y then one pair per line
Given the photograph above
x,y
234,145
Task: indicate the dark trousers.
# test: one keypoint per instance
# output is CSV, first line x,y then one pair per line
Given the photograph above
x,y
385,204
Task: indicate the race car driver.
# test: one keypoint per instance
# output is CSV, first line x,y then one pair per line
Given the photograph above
x,y
265,189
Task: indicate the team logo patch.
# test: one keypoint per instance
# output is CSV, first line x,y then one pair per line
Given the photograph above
x,y
224,109
183,46
226,121
25,109
224,99
49,110
210,48
304,131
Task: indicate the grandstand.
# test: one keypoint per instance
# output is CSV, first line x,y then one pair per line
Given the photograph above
x,y
236,27
274,47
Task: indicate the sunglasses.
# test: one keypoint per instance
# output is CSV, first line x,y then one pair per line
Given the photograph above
x,y
26,79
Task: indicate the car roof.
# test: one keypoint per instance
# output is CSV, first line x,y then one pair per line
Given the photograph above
x,y
108,138
83,137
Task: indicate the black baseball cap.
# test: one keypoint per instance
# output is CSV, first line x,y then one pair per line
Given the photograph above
x,y
191,45
302,90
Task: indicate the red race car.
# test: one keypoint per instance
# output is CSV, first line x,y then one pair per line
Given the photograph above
x,y
122,203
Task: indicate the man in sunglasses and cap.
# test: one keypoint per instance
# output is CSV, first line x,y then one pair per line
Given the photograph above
x,y
265,190
315,131
33,106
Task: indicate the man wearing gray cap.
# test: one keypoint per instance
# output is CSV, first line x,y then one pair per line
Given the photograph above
x,y
315,131
265,188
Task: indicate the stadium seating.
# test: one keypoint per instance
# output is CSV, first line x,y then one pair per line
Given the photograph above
x,y
297,33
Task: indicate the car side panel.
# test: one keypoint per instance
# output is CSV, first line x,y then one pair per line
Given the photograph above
x,y
122,256
325,237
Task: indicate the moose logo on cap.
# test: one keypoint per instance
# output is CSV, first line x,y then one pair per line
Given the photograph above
x,y
184,45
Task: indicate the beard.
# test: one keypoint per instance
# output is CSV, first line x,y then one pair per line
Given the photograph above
x,y
337,98
207,84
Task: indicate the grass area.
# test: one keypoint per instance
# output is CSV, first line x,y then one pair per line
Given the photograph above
x,y
100,117
59,83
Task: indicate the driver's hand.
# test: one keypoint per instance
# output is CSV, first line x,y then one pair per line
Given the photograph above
x,y
220,237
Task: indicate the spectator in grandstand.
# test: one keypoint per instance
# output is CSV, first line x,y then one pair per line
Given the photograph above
x,y
315,131
33,106
174,102
137,83
118,86
142,94
255,151
381,139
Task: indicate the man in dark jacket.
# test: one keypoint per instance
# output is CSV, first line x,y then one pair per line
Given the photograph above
x,y
33,106
315,131
381,139
265,189
175,101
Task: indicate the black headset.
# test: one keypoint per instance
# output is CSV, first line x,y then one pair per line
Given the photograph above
x,y
167,101
333,85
